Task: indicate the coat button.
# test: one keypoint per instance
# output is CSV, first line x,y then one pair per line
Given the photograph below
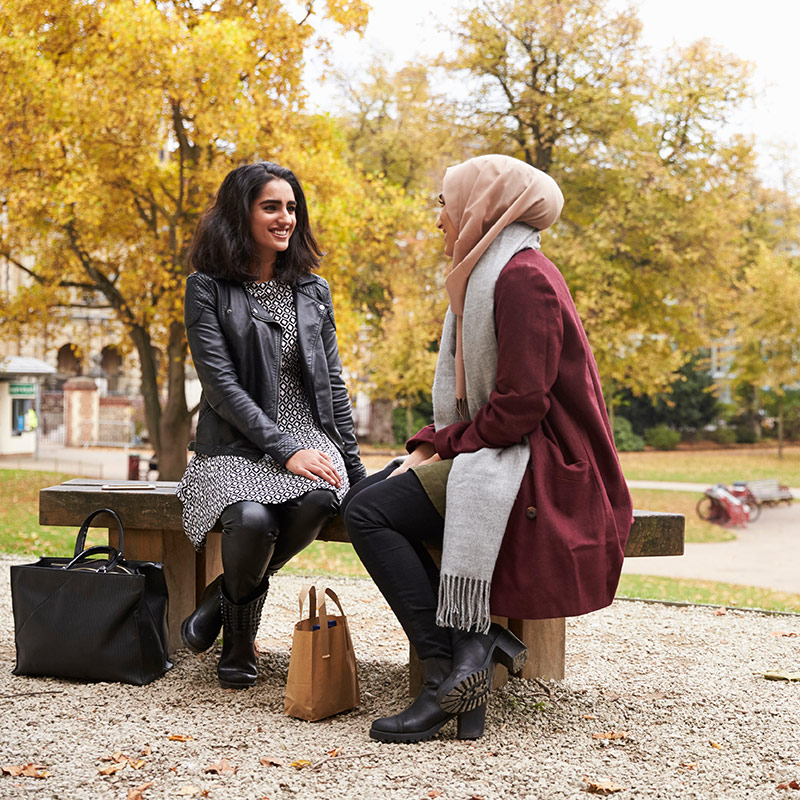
x,y
254,312
530,512
321,307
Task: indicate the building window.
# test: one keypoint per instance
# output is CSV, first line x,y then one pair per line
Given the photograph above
x,y
23,416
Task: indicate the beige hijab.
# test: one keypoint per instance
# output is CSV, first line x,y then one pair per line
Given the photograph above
x,y
482,196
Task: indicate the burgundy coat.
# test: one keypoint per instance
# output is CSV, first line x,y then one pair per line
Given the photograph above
x,y
564,544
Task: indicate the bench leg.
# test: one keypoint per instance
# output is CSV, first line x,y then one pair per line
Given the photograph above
x,y
546,640
178,556
209,563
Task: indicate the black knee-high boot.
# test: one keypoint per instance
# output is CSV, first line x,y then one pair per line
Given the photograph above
x,y
237,667
424,717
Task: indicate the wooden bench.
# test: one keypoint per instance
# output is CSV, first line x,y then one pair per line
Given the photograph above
x,y
769,492
153,532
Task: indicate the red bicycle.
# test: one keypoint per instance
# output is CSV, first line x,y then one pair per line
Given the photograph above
x,y
720,506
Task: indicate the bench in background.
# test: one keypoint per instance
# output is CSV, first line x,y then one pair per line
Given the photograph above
x,y
153,532
769,492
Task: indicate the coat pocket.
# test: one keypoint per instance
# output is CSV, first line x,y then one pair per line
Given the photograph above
x,y
564,464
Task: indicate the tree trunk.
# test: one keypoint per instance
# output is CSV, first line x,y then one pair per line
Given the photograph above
x,y
780,426
149,388
380,431
176,421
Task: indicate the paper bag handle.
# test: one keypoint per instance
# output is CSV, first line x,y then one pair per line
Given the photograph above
x,y
320,611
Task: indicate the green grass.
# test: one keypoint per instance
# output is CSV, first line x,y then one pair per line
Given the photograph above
x,y
20,531
714,466
682,503
696,591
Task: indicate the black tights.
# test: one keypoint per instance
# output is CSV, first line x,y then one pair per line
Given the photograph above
x,y
389,521
258,539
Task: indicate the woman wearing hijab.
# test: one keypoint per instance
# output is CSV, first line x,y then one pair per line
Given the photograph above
x,y
517,480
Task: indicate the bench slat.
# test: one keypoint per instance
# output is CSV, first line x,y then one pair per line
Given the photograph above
x,y
653,533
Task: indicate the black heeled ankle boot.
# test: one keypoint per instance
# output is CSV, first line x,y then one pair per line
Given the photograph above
x,y
474,655
424,717
237,667
200,629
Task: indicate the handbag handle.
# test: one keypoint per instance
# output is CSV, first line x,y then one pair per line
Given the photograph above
x,y
80,542
323,619
114,557
310,592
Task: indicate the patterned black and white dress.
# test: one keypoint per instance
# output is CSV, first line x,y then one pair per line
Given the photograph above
x,y
211,483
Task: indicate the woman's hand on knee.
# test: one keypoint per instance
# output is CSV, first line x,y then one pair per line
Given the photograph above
x,y
314,465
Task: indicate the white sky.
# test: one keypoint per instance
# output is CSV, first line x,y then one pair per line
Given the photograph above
x,y
764,32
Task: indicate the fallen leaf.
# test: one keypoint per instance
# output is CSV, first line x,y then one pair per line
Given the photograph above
x,y
189,791
178,737
715,745
335,752
434,793
789,785
301,763
138,764
111,769
784,633
222,768
689,764
611,735
589,716
137,793
270,762
25,771
782,676
477,797
721,612
147,750
603,787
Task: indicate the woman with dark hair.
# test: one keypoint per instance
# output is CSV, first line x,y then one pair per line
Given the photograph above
x,y
275,449
517,481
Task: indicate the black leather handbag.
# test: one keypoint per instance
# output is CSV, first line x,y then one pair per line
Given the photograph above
x,y
95,619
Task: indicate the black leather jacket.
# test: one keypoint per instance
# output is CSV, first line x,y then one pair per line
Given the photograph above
x,y
236,348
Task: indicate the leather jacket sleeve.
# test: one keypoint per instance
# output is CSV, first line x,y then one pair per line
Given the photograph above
x,y
342,409
217,373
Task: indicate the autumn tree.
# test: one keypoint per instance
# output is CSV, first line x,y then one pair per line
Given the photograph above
x,y
768,327
651,233
119,121
404,134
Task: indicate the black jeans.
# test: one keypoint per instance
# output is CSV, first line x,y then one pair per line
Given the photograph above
x,y
258,539
389,520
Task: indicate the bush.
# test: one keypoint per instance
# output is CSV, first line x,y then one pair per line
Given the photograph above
x,y
745,434
400,423
624,437
662,437
723,436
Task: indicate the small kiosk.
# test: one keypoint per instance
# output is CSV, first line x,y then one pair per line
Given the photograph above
x,y
20,408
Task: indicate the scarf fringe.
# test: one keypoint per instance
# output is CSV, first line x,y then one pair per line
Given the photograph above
x,y
464,603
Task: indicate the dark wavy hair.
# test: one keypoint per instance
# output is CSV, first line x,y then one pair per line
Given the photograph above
x,y
222,244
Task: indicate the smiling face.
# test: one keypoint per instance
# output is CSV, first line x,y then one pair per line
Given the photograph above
x,y
450,233
272,220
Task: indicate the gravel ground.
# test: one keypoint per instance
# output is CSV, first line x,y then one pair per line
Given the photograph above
x,y
683,689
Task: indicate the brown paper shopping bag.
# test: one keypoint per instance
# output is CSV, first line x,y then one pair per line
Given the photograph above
x,y
322,679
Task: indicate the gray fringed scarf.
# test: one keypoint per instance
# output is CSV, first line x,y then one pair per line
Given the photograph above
x,y
483,485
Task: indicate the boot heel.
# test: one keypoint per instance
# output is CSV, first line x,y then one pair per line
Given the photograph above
x,y
510,651
469,724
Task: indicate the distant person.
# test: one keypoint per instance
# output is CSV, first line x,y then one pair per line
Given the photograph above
x,y
275,445
517,480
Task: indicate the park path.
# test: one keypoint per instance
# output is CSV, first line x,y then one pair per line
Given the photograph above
x,y
765,554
